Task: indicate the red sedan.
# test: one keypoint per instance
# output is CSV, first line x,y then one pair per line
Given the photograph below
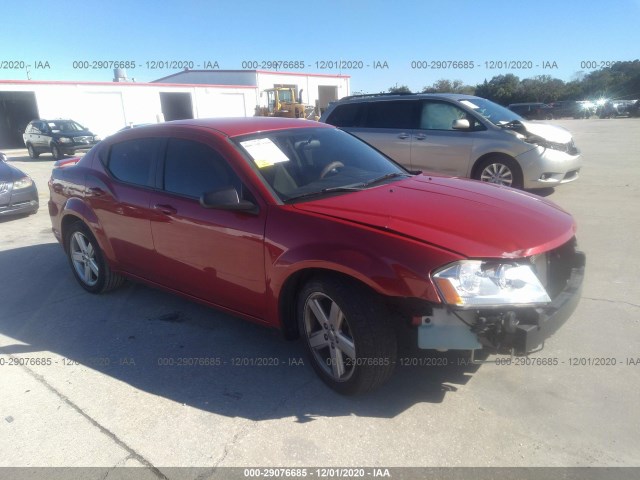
x,y
300,226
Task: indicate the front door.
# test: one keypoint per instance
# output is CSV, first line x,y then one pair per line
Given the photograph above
x,y
215,255
436,146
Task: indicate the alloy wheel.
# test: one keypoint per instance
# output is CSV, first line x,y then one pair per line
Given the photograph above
x,y
497,173
329,336
83,256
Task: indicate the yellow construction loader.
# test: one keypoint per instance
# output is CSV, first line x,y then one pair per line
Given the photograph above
x,y
282,102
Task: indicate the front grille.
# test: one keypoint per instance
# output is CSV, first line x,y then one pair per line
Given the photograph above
x,y
553,268
83,139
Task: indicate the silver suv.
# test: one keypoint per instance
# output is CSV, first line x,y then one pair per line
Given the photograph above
x,y
460,135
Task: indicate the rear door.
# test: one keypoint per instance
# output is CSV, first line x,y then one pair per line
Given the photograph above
x,y
38,136
120,200
389,125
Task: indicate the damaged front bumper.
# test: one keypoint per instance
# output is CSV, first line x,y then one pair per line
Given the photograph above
x,y
517,330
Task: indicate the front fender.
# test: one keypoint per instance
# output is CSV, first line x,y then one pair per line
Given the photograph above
x,y
389,264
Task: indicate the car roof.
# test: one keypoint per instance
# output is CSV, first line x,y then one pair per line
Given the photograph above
x,y
408,96
233,127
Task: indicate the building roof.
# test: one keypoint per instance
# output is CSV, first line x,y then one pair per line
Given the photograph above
x,y
238,77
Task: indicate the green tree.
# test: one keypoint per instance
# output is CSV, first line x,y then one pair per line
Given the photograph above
x,y
448,86
503,89
542,88
399,89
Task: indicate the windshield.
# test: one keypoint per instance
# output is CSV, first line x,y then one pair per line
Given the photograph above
x,y
285,96
65,126
493,112
304,162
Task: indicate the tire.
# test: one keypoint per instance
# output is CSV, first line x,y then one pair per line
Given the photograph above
x,y
348,334
501,170
32,152
55,151
87,262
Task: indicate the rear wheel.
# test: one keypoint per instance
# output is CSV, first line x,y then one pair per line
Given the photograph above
x,y
501,171
87,262
32,151
348,334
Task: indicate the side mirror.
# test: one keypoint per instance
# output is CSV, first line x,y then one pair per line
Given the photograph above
x,y
226,198
461,124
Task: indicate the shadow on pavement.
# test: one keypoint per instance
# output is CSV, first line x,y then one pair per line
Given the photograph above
x,y
542,192
194,355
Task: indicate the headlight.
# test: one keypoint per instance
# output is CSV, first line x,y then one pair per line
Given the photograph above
x,y
536,140
475,283
65,140
24,182
541,142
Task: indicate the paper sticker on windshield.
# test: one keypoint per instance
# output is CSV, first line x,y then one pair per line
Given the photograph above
x,y
264,152
469,104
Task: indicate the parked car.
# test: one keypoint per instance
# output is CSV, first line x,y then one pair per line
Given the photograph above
x,y
18,192
586,108
460,135
532,111
570,108
297,225
134,125
607,109
58,137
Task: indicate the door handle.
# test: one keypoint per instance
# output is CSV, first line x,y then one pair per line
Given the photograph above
x,y
421,136
166,209
403,136
96,191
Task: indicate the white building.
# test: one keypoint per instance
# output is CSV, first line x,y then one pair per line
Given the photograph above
x,y
105,107
317,89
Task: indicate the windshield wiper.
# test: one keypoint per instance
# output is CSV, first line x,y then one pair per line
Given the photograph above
x,y
383,177
346,188
349,188
513,124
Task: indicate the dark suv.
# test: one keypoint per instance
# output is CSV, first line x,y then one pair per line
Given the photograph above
x,y
58,137
532,111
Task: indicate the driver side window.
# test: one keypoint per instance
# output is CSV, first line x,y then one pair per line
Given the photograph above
x,y
192,168
441,116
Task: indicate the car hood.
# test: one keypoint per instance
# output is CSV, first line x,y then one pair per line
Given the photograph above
x,y
470,218
9,173
552,133
74,133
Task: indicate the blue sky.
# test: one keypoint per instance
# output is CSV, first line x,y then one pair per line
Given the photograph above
x,y
393,31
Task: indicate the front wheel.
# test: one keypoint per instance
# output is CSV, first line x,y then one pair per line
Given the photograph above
x,y
348,334
56,152
87,262
501,171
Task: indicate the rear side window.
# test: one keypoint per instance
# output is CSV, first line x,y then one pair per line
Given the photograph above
x,y
192,168
346,115
392,114
133,161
